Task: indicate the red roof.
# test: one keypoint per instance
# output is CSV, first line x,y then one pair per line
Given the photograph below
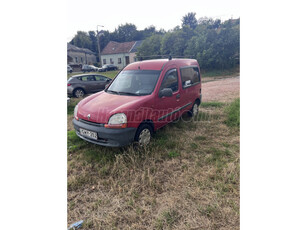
x,y
117,48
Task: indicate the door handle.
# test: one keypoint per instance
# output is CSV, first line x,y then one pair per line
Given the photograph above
x,y
178,96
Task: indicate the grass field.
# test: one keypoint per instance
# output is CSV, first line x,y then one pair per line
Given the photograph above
x,y
187,178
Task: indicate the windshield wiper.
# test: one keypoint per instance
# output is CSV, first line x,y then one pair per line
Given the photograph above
x,y
128,93
112,91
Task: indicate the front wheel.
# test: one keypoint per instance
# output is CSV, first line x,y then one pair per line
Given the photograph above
x,y
143,134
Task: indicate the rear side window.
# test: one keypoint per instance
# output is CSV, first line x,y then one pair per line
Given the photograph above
x,y
100,78
189,76
170,80
87,78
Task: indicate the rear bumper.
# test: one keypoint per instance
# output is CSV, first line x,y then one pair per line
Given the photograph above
x,y
106,137
70,90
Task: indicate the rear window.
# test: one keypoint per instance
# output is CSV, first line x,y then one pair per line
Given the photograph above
x,y
189,76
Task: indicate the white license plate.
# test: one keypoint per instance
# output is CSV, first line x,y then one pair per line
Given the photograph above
x,y
89,134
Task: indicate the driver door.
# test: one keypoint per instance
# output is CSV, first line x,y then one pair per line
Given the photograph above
x,y
167,106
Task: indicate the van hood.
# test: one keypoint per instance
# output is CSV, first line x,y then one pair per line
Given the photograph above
x,y
102,105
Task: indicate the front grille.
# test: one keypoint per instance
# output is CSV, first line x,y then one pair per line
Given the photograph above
x,y
91,123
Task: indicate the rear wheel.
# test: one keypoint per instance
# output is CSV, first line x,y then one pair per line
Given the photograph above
x,y
143,134
194,111
79,93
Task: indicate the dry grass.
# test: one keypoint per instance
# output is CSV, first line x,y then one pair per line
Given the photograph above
x,y
188,178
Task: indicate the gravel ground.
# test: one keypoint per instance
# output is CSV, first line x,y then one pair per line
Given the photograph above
x,y
224,90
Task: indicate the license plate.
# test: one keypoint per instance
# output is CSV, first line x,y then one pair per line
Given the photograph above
x,y
89,134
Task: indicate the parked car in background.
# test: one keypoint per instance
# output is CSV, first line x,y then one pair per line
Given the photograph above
x,y
79,85
89,68
69,69
107,68
144,97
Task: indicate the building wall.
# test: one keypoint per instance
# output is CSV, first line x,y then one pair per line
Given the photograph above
x,y
115,60
81,58
115,57
132,57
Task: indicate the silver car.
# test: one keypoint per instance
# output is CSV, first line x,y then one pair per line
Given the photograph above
x,y
79,85
69,69
89,68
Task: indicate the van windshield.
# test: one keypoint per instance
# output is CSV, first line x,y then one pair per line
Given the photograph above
x,y
134,82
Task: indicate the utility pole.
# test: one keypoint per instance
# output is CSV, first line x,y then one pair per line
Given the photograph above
x,y
99,46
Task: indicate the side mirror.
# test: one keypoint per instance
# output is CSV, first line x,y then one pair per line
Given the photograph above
x,y
166,92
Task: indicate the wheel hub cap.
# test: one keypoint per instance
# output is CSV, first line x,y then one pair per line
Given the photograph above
x,y
144,137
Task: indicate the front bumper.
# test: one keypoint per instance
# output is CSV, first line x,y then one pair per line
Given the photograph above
x,y
106,136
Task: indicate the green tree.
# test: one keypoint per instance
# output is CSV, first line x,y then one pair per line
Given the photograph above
x,y
189,20
93,38
175,42
215,44
82,40
125,33
150,48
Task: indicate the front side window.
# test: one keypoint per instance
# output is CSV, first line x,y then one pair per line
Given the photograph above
x,y
189,76
170,80
134,82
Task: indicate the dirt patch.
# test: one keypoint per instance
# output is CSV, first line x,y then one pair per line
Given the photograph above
x,y
224,90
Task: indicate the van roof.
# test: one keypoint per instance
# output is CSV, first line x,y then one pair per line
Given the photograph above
x,y
159,64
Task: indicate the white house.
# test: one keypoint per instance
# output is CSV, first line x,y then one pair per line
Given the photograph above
x,y
120,53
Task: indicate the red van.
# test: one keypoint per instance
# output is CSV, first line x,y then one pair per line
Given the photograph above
x,y
141,99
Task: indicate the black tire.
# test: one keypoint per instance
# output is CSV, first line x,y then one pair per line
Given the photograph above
x,y
78,93
141,135
194,110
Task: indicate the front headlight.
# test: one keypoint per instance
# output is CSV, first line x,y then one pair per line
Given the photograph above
x,y
118,120
76,112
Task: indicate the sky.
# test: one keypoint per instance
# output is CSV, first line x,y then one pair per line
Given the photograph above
x,y
163,14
